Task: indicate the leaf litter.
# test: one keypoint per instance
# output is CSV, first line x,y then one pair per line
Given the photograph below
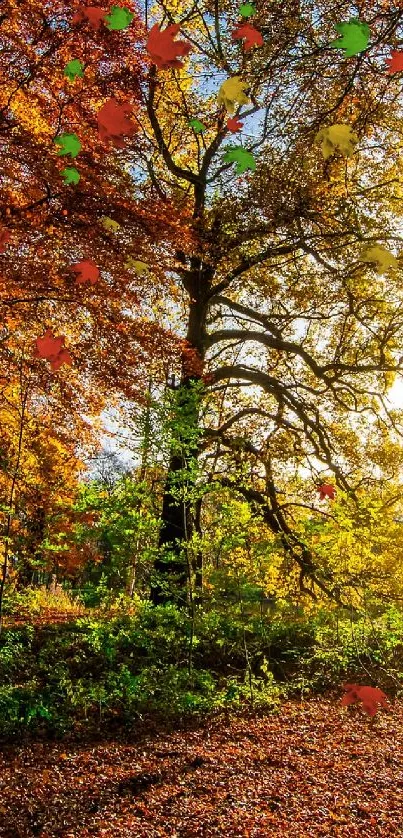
x,y
313,768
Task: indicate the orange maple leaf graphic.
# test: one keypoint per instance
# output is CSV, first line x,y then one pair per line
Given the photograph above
x,y
86,270
371,697
163,49
113,122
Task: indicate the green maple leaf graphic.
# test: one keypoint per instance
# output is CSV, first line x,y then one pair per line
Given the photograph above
x,y
73,69
243,158
70,144
355,37
71,175
247,10
119,18
197,126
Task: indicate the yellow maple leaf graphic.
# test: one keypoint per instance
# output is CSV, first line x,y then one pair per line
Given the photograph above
x,y
336,136
231,91
109,223
139,266
381,257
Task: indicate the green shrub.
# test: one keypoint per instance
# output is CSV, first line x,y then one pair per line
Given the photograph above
x,y
91,672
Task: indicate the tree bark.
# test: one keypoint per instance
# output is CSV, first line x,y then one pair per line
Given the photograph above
x,y
172,565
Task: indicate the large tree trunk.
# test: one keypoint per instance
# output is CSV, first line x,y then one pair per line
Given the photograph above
x,y
173,565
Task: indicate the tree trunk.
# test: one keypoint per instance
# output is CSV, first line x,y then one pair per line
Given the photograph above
x,y
172,536
173,565
198,564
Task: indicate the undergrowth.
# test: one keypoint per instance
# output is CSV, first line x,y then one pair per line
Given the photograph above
x,y
91,673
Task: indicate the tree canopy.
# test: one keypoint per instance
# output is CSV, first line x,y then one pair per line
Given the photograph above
x,y
230,216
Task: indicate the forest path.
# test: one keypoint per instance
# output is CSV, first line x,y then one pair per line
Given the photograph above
x,y
312,769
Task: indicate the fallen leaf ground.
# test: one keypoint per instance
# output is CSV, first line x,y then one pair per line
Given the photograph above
x,y
311,769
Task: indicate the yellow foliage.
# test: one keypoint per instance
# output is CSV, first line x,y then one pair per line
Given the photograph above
x,y
29,114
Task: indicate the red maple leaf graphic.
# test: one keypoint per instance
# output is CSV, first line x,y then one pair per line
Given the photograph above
x,y
395,61
234,124
326,490
4,239
64,357
113,124
250,35
86,271
163,49
52,348
93,14
49,346
371,697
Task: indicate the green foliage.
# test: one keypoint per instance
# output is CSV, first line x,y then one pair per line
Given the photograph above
x,y
122,535
92,672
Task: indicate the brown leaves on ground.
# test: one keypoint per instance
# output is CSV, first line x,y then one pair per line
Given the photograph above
x,y
312,769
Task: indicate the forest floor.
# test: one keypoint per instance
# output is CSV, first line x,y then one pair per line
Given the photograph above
x,y
313,768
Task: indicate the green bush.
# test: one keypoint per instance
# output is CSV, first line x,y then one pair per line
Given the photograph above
x,y
91,671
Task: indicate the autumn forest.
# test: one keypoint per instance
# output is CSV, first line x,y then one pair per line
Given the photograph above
x,y
201,444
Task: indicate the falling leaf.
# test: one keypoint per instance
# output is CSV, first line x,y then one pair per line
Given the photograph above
x,y
71,175
119,18
197,126
113,124
48,345
395,61
93,14
52,348
141,268
70,144
87,271
232,90
243,158
336,136
162,48
4,238
64,357
234,124
73,69
110,224
355,37
326,490
250,35
371,697
247,9
381,257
